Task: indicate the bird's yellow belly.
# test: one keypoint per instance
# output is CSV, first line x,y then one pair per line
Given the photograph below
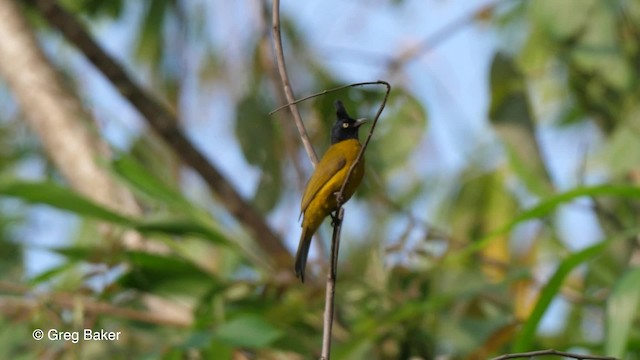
x,y
325,200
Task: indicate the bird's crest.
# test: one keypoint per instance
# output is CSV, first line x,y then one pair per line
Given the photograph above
x,y
341,112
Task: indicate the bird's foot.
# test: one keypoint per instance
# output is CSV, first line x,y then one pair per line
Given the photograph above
x,y
334,218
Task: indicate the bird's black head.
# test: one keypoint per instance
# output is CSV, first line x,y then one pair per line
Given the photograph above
x,y
345,126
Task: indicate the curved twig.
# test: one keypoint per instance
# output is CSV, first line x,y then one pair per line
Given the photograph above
x,y
366,142
67,300
530,354
323,92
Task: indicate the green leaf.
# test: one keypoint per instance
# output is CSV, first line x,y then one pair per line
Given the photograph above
x,y
11,253
197,340
256,131
525,337
399,131
218,350
268,191
75,252
136,175
562,19
14,344
184,227
545,207
480,205
150,38
52,194
621,153
150,271
622,309
95,8
166,264
52,273
261,145
248,331
598,51
537,51
512,119
65,199
206,307
210,347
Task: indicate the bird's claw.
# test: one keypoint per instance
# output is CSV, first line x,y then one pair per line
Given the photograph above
x,y
334,218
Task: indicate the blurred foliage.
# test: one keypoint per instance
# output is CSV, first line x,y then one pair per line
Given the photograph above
x,y
470,275
96,8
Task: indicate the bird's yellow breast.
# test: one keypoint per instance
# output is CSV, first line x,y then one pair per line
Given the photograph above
x,y
320,193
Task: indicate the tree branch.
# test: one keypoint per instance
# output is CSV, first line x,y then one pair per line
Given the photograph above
x,y
165,124
59,120
282,69
440,35
330,293
366,142
69,301
530,354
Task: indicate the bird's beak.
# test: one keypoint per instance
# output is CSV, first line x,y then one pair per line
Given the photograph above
x,y
360,122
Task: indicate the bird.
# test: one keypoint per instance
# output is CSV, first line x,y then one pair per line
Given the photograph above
x,y
319,198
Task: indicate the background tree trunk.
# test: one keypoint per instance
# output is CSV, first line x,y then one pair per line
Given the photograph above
x,y
65,130
57,117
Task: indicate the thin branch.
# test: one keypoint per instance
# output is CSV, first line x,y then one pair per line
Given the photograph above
x,y
282,69
69,301
271,69
165,124
530,354
441,35
330,294
340,196
323,92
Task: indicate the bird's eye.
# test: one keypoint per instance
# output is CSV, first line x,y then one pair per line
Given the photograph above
x,y
345,125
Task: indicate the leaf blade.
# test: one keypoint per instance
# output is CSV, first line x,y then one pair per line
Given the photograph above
x,y
544,207
52,194
622,308
524,339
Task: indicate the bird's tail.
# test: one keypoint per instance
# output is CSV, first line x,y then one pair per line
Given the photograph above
x,y
303,252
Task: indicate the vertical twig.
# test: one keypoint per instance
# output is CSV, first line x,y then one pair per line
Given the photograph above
x,y
288,92
330,293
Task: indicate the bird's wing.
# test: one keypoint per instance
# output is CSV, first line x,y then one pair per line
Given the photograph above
x,y
329,165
